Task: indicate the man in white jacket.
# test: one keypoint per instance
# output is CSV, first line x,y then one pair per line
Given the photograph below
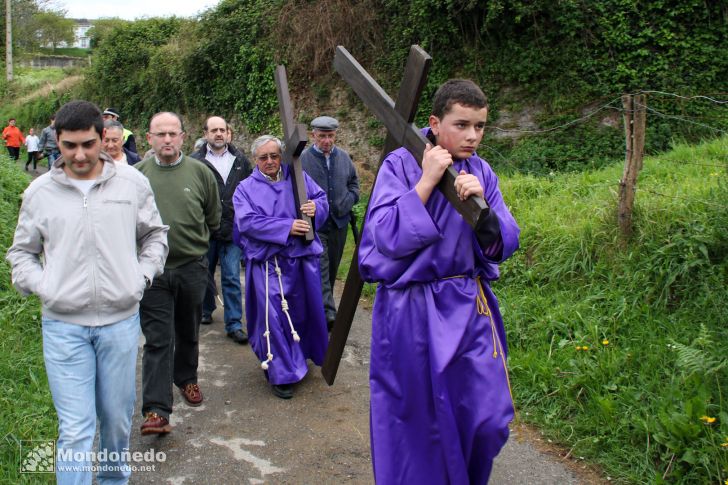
x,y
102,243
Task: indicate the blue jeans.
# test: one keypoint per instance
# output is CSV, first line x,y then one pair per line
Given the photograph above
x,y
52,157
229,255
91,373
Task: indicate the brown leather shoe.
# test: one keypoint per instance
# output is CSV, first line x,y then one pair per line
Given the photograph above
x,y
155,424
192,394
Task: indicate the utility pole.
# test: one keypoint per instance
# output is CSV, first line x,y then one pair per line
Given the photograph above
x,y
8,41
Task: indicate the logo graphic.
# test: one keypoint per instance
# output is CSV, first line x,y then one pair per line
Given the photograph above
x,y
37,456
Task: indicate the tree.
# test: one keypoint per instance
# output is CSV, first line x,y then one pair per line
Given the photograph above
x,y
23,12
52,29
102,28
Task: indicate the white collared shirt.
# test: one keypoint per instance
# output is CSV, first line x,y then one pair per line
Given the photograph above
x,y
278,178
177,162
327,155
223,163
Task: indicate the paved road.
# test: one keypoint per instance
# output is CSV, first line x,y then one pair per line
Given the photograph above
x,y
242,434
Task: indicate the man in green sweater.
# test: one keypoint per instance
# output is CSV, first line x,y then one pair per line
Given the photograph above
x,y
189,202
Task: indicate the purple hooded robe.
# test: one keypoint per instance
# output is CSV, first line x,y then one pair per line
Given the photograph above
x,y
264,213
440,398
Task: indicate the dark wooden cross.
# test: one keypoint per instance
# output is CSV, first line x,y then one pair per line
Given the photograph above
x,y
295,138
401,132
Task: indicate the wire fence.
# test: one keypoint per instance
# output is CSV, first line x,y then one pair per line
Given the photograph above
x,y
610,105
615,104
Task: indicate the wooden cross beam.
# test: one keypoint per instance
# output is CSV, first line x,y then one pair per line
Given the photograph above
x,y
295,138
398,119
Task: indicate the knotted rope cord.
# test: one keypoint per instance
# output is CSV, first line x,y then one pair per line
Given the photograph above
x,y
284,302
484,309
284,306
264,364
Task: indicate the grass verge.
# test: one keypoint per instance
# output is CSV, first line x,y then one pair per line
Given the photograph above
x,y
26,409
619,353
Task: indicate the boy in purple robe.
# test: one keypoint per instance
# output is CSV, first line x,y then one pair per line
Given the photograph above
x,y
440,397
283,302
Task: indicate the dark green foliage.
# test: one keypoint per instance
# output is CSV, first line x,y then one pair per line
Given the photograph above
x,y
577,148
218,64
132,72
564,55
230,70
560,55
571,48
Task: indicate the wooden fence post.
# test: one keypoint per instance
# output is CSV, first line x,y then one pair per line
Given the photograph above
x,y
635,118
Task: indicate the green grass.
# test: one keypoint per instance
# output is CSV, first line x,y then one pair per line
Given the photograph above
x,y
27,80
369,289
26,409
652,315
30,99
66,51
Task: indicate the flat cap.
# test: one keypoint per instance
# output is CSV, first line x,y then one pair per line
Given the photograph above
x,y
325,123
112,112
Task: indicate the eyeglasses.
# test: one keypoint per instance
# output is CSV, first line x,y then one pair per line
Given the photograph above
x,y
165,134
273,156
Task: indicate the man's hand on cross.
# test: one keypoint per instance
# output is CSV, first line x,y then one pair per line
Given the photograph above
x,y
309,208
299,227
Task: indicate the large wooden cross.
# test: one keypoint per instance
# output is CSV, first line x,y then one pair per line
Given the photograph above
x,y
295,138
401,132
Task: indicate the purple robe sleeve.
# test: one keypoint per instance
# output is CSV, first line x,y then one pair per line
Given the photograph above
x,y
399,222
253,224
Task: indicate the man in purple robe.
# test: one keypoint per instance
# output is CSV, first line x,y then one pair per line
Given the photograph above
x,y
440,397
283,302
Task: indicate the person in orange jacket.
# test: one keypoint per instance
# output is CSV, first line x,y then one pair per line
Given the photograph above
x,y
13,139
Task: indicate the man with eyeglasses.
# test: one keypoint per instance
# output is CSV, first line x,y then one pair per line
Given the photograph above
x,y
229,166
283,306
332,169
189,203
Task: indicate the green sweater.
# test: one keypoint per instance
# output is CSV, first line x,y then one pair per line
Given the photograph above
x,y
189,203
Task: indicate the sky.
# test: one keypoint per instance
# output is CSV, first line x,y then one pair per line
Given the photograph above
x,y
132,9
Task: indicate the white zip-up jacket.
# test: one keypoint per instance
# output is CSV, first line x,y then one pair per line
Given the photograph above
x,y
97,249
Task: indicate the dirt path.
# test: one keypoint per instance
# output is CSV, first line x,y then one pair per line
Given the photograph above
x,y
242,434
62,85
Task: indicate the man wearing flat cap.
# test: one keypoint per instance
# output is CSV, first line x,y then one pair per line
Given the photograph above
x,y
129,140
332,169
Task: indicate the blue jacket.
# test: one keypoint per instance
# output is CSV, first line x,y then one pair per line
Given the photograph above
x,y
131,157
340,182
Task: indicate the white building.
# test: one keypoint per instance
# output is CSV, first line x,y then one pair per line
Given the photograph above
x,y
80,32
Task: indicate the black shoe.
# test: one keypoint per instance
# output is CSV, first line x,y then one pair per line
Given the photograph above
x,y
206,320
238,336
284,391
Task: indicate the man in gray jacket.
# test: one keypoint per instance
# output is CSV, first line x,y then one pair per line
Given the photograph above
x,y
332,169
102,245
48,144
